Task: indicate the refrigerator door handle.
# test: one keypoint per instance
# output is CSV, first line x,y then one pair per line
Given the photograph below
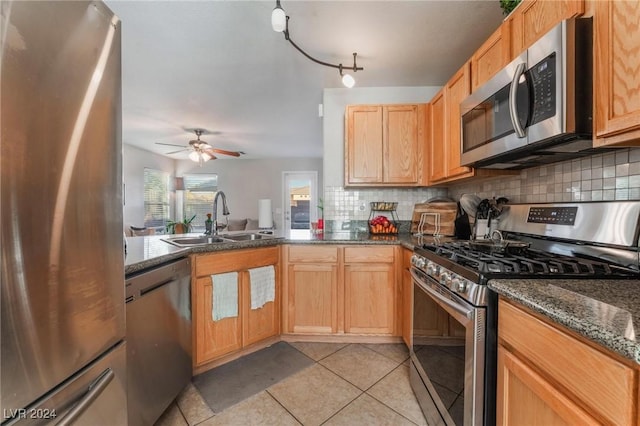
x,y
94,391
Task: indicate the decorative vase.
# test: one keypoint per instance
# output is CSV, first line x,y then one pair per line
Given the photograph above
x,y
180,228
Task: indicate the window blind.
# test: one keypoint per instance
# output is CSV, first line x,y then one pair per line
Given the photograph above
x,y
156,197
200,189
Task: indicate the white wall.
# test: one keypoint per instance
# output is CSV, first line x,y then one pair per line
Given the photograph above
x,y
244,182
134,162
335,101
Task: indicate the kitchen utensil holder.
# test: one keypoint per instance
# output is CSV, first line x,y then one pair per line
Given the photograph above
x,y
422,226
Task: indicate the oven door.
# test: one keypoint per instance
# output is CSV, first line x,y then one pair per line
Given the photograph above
x,y
447,354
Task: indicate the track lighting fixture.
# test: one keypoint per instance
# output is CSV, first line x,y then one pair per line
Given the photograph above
x,y
280,24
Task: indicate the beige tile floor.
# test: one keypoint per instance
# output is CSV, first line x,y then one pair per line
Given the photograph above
x,y
350,384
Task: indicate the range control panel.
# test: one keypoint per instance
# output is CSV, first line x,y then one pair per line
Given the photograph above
x,y
553,215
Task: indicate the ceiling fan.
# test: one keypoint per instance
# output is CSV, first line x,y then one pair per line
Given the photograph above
x,y
200,150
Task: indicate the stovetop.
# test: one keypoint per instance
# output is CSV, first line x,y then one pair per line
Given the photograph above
x,y
528,262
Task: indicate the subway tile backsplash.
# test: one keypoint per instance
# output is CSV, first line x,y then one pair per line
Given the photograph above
x,y
612,175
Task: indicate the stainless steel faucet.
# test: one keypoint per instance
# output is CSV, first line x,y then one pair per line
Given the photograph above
x,y
225,210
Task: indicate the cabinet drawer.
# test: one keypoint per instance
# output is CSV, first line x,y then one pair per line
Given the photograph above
x,y
236,260
369,254
599,381
313,254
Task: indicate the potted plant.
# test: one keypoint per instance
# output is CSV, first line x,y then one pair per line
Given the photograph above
x,y
182,227
508,5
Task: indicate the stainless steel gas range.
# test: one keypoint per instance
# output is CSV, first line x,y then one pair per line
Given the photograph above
x,y
455,317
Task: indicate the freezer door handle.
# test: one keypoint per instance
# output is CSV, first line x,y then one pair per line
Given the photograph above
x,y
94,391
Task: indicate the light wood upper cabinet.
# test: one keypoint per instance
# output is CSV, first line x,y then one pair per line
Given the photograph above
x,y
617,73
492,56
383,145
534,18
363,144
445,139
559,377
214,339
438,149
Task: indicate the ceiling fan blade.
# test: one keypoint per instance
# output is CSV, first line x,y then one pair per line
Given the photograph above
x,y
210,153
168,144
175,152
222,151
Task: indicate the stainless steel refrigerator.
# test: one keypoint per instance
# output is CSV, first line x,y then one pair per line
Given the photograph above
x,y
62,327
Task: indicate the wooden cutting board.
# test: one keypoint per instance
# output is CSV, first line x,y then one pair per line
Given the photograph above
x,y
447,212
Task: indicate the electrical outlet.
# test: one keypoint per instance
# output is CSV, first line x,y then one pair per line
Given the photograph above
x,y
362,207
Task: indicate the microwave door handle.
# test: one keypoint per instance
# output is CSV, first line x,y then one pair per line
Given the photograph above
x,y
513,105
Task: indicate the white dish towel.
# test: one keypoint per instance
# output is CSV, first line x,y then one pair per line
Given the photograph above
x,y
263,286
225,295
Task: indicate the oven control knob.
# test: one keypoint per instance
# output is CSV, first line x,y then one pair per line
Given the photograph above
x,y
432,269
445,278
459,285
418,261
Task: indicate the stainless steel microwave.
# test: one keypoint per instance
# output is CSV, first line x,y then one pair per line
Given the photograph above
x,y
538,109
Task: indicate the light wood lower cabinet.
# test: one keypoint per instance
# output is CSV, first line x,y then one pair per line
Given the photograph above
x,y
335,290
313,298
548,376
214,339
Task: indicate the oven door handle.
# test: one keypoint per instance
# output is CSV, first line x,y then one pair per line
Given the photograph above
x,y
459,308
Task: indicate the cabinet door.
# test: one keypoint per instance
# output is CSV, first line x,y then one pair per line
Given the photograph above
x,y
312,298
369,298
363,144
492,56
458,88
534,18
213,338
260,323
402,142
437,142
617,72
525,398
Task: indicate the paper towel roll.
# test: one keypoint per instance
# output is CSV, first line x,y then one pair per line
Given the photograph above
x,y
265,218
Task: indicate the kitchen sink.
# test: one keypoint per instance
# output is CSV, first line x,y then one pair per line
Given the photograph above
x,y
193,241
247,237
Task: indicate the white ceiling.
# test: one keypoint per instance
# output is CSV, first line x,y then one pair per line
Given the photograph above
x,y
219,66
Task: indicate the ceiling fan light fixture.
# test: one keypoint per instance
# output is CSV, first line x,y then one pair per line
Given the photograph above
x,y
205,156
278,18
194,156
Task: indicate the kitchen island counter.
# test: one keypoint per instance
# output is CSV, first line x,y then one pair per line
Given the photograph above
x,y
606,312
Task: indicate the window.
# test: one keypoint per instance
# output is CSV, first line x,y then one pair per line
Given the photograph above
x,y
156,198
200,189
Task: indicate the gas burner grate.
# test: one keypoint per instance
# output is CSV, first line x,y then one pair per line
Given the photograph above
x,y
529,262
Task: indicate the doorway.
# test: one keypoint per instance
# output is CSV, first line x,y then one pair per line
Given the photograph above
x,y
300,200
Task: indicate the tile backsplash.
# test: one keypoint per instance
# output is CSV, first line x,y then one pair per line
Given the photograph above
x,y
343,205
612,175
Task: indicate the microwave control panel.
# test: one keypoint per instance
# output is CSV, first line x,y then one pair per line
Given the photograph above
x,y
542,78
553,215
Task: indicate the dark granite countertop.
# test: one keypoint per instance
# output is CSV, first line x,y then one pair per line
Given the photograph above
x,y
147,252
604,311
